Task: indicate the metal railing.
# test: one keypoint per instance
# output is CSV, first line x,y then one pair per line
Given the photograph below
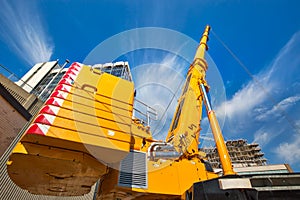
x,y
144,112
10,75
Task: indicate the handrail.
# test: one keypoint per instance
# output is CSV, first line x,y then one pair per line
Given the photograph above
x,y
148,112
11,74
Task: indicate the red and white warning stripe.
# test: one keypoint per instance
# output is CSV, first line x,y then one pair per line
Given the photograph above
x,y
63,87
59,94
36,128
52,106
70,76
50,109
45,119
66,81
76,65
55,101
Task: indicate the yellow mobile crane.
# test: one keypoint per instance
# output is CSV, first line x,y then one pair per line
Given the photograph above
x,y
86,133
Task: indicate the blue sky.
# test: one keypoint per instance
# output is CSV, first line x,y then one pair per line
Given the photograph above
x,y
265,35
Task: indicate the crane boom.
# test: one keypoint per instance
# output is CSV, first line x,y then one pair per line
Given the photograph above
x,y
186,121
185,127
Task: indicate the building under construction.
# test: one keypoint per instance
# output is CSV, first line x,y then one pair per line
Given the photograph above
x,y
247,158
242,154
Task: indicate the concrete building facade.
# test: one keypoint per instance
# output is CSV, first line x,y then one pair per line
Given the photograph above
x,y
17,107
36,74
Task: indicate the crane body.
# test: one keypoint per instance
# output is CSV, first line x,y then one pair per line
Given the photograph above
x,y
86,132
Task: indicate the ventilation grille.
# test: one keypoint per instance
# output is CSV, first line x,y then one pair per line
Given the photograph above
x,y
133,170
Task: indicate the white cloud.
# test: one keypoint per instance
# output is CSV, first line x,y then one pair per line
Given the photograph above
x,y
280,108
289,151
262,137
23,31
297,124
244,100
257,101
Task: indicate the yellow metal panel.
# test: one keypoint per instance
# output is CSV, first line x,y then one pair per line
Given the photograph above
x,y
166,179
175,177
85,125
95,107
41,171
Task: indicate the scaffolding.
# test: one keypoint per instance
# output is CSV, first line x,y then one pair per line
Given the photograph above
x,y
242,154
